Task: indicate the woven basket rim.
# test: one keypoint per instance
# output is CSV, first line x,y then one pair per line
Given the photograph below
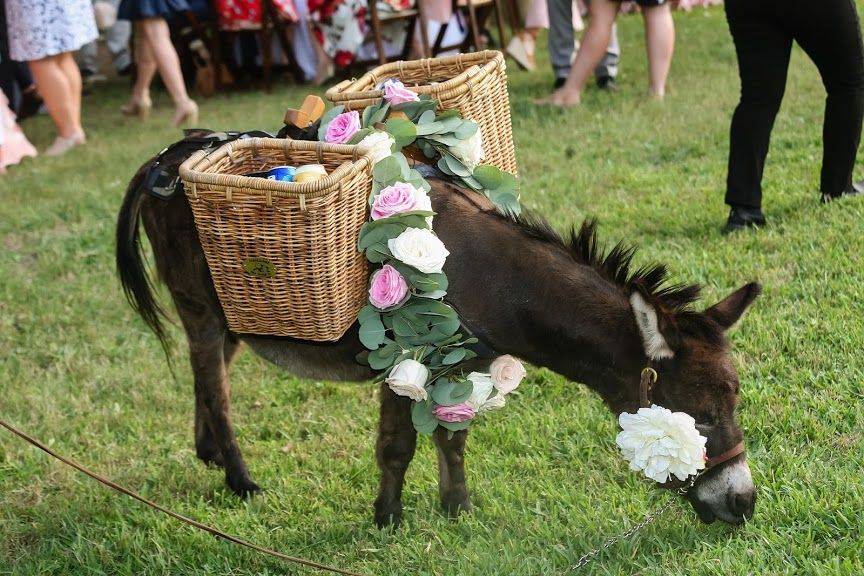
x,y
192,170
487,61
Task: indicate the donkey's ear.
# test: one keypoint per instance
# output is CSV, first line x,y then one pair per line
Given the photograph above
x,y
730,309
657,334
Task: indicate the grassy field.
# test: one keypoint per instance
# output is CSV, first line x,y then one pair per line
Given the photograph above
x,y
79,369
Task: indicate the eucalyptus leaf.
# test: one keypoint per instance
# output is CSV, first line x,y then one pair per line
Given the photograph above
x,y
466,130
455,356
372,333
404,132
359,135
387,171
456,166
456,426
426,117
422,418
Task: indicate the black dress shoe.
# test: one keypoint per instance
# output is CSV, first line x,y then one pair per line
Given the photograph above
x,y
857,189
559,82
607,83
741,217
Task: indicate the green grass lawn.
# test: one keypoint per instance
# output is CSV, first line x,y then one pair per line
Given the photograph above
x,y
80,370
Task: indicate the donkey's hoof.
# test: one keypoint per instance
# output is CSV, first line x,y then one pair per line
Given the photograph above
x,y
388,516
456,504
243,487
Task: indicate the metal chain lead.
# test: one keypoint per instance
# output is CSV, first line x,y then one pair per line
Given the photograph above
x,y
650,518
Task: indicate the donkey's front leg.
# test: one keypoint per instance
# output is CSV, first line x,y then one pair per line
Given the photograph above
x,y
394,451
451,470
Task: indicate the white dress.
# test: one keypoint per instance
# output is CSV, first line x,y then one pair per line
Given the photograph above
x,y
41,28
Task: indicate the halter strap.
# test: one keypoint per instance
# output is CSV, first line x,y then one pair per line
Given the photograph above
x,y
647,380
736,450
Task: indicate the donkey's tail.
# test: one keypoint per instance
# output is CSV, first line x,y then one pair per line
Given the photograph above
x,y
131,264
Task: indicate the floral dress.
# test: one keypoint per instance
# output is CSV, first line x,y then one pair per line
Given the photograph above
x,y
41,28
341,26
246,14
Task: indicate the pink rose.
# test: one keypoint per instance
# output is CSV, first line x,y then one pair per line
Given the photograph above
x,y
457,413
398,198
343,127
387,288
396,93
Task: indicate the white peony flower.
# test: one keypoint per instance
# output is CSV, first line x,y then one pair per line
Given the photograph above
x,y
408,378
381,144
420,248
507,372
470,150
661,443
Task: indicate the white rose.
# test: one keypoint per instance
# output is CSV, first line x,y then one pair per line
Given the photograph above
x,y
482,389
493,403
420,248
381,144
470,150
661,443
408,378
507,372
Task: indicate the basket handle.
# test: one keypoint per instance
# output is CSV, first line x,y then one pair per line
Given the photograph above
x,y
319,152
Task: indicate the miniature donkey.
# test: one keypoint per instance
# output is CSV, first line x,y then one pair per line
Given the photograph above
x,y
519,287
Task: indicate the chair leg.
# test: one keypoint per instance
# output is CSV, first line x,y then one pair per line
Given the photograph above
x,y
376,31
475,29
424,30
499,18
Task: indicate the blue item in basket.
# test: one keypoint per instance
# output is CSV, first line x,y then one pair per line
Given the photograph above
x,y
281,173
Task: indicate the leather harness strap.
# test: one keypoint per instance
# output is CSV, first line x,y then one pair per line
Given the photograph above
x,y
647,380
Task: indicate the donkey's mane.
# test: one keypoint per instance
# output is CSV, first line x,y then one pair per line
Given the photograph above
x,y
616,265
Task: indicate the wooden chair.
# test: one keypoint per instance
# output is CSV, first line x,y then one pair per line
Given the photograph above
x,y
270,23
477,12
411,16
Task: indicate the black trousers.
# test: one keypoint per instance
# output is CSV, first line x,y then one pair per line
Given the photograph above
x,y
763,31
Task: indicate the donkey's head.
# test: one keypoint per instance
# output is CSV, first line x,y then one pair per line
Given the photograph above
x,y
696,375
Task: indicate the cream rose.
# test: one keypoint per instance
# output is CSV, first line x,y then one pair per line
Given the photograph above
x,y
481,399
381,144
507,372
420,248
408,378
661,443
470,150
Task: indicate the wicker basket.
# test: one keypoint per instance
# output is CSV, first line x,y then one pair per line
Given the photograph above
x,y
475,84
283,256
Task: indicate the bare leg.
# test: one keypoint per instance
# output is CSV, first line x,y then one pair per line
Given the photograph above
x,y
660,44
146,65
451,471
73,77
394,451
591,52
209,347
56,91
155,30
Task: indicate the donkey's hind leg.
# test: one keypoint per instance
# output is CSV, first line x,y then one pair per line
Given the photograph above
x,y
205,443
451,470
394,451
210,345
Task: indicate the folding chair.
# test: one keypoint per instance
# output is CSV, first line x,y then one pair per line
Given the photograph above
x,y
411,16
477,12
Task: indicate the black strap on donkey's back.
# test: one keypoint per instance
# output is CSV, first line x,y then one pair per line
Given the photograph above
x,y
163,181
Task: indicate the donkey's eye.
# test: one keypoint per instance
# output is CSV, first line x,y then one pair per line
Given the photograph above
x,y
705,421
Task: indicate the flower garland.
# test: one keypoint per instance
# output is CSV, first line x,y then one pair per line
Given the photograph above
x,y
413,338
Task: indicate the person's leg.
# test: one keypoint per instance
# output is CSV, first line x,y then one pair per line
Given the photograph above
x,y
560,36
607,70
88,56
594,43
53,85
168,63
146,70
660,44
831,36
763,48
117,40
73,77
